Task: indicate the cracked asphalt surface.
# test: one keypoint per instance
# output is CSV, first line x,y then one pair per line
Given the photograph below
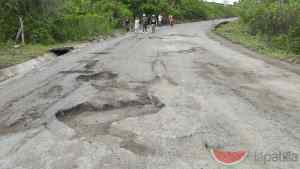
x,y
150,101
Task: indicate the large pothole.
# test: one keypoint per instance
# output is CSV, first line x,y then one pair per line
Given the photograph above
x,y
93,119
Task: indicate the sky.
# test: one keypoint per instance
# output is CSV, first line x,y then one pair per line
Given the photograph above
x,y
222,1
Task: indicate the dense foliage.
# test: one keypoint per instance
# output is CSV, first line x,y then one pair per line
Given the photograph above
x,y
278,21
49,21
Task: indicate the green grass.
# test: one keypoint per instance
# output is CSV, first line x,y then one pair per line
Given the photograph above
x,y
11,56
237,32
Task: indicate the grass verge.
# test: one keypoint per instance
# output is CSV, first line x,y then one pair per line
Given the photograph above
x,y
10,56
237,33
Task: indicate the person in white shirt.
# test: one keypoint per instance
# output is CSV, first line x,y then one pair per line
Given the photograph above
x,y
160,18
136,25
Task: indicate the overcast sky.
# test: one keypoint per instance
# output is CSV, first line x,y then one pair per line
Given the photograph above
x,y
221,1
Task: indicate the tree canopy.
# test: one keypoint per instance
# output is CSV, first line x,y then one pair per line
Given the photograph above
x,y
48,21
277,21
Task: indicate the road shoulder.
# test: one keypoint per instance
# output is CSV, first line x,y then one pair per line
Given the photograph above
x,y
295,68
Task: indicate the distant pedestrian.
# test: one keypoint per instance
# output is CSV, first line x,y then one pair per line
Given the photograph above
x,y
136,25
160,19
127,24
144,22
153,22
171,20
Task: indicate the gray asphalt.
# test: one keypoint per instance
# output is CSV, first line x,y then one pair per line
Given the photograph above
x,y
150,101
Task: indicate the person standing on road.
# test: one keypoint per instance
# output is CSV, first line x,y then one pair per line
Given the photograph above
x,y
171,20
136,25
153,22
144,23
127,24
160,18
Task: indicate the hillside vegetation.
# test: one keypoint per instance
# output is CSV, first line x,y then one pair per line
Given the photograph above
x,y
52,21
269,26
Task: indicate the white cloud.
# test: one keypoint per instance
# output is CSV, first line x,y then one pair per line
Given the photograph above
x,y
222,1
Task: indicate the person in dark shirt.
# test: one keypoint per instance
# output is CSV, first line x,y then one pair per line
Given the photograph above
x,y
127,24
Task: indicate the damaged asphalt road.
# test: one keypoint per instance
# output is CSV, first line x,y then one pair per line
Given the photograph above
x,y
150,101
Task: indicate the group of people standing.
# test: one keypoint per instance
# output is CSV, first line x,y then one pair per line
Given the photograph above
x,y
146,23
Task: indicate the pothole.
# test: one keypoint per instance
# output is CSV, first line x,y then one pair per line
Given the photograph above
x,y
156,37
137,148
101,53
20,124
105,75
61,51
191,50
76,72
54,91
94,119
91,64
185,51
183,35
142,100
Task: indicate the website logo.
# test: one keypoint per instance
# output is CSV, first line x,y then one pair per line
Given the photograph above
x,y
227,157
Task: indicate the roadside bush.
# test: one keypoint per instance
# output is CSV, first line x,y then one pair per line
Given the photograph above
x,y
280,42
112,10
41,35
214,10
294,39
268,17
81,27
192,9
8,31
276,22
